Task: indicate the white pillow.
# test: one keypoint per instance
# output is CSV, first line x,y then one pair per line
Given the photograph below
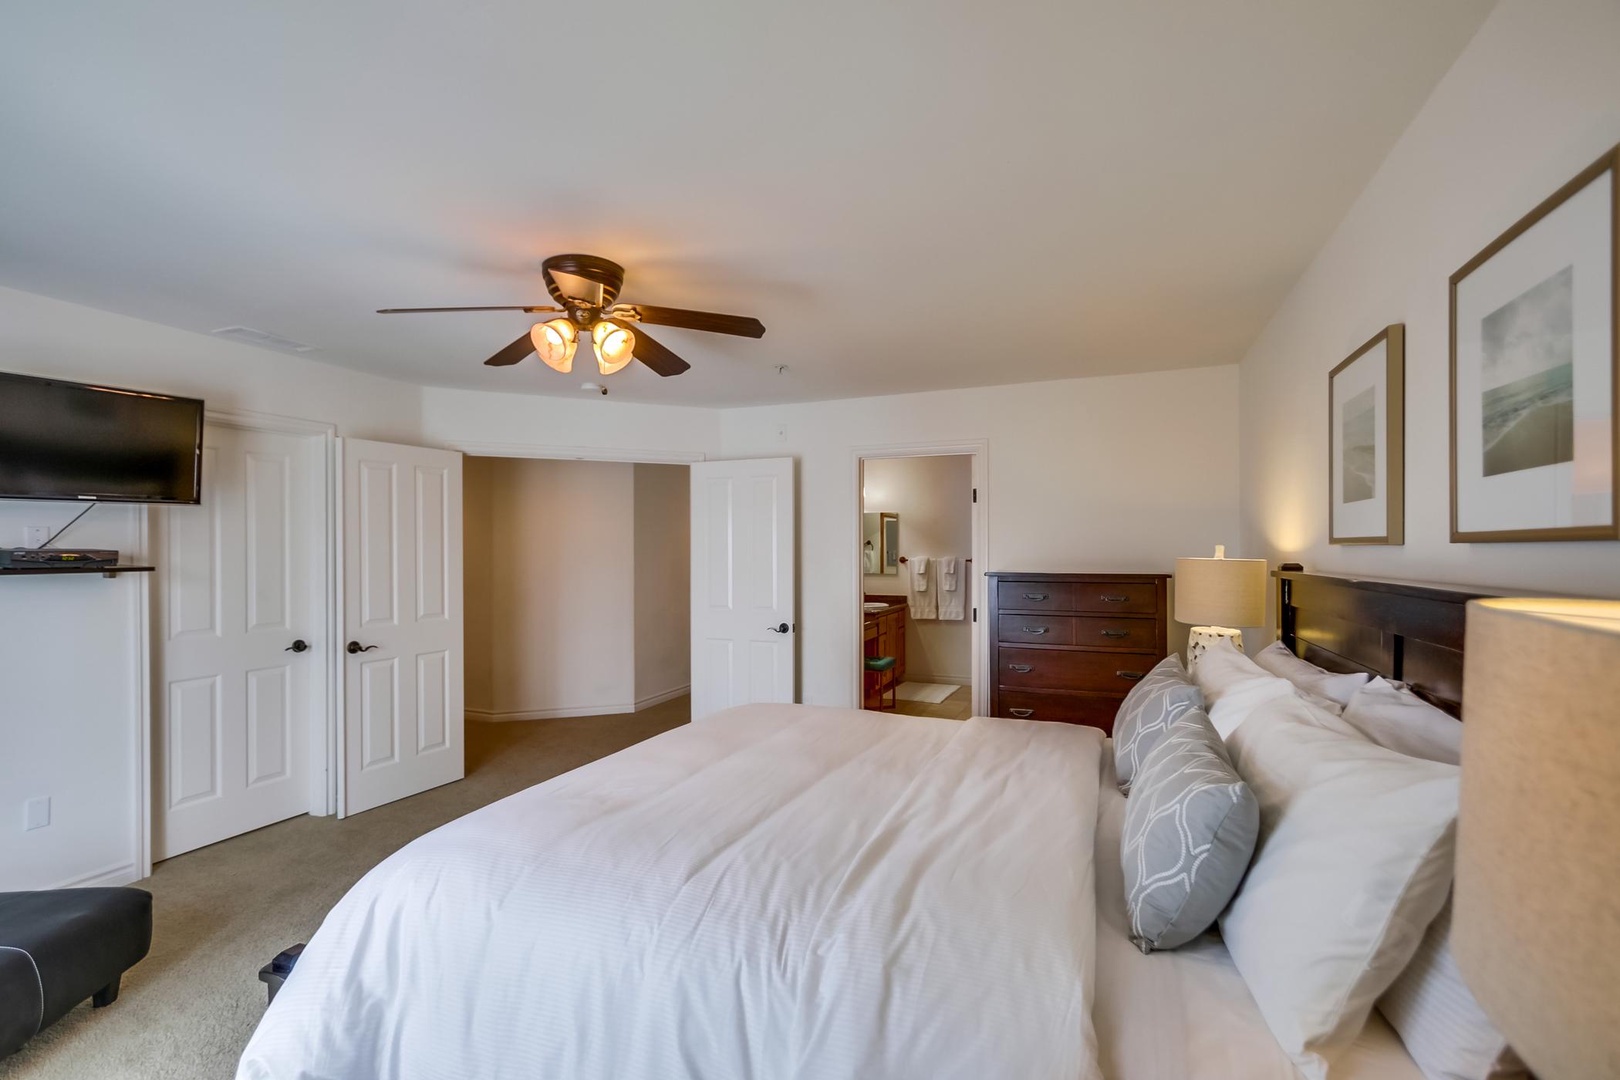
x,y
1222,666
1279,660
1233,686
1443,1027
1353,863
1400,720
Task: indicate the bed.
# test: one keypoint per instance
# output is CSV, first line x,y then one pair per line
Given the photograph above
x,y
801,892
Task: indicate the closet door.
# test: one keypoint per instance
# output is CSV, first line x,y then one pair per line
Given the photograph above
x,y
402,618
743,573
242,623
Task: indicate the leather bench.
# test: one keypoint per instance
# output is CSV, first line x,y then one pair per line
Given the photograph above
x,y
60,946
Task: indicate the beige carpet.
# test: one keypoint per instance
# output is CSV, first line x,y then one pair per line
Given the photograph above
x,y
222,912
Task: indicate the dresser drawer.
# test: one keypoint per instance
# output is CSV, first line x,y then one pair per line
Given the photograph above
x,y
1071,669
1097,710
1032,596
1128,635
1133,598
1037,629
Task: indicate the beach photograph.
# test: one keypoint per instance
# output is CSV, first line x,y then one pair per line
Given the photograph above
x,y
1528,375
1359,465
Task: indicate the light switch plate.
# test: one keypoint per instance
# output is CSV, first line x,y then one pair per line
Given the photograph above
x,y
36,813
36,535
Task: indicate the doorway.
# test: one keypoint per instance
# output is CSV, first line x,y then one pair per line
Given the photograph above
x,y
919,541
577,585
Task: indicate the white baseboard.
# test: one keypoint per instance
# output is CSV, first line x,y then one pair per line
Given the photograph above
x,y
488,716
484,716
659,699
108,877
952,680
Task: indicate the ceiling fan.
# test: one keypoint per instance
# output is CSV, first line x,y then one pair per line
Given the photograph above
x,y
588,295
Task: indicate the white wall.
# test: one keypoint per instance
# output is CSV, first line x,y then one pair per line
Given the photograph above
x,y
934,497
1532,100
72,675
561,551
663,571
1118,473
519,425
478,582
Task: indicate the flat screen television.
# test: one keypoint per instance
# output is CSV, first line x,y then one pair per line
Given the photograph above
x,y
63,440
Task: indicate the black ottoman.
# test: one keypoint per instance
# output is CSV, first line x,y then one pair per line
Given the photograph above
x,y
60,946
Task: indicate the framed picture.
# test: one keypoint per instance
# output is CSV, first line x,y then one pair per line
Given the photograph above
x,y
1367,443
1534,373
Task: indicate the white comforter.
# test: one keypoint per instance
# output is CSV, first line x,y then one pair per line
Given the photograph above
x,y
777,892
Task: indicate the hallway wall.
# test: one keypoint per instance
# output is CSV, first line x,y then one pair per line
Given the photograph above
x,y
576,586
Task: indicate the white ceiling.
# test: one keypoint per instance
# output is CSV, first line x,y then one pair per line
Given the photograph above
x,y
910,195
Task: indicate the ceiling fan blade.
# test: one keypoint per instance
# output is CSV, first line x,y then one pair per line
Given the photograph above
x,y
738,325
422,310
513,353
654,355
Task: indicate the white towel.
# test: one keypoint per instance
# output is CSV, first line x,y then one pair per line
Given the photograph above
x,y
921,600
952,597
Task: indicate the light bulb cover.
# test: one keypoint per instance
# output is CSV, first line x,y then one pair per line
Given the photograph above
x,y
615,346
555,343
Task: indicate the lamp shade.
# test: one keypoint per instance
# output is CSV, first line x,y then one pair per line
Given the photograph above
x,y
555,342
614,344
1221,591
1536,912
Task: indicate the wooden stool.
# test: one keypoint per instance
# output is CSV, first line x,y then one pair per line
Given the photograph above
x,y
880,681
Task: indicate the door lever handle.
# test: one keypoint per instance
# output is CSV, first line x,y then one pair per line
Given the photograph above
x,y
356,647
297,646
779,628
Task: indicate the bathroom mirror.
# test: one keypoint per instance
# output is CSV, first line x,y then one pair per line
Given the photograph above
x,y
880,543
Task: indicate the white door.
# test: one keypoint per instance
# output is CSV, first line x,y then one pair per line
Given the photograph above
x,y
243,584
402,622
743,573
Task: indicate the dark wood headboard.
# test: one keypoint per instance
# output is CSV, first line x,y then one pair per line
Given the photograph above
x,y
1400,630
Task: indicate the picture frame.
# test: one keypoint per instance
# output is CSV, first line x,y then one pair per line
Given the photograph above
x,y
1535,372
1367,442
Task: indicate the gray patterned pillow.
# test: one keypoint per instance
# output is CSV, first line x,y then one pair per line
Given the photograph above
x,y
1147,712
1190,830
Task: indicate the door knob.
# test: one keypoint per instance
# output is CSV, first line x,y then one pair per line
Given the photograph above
x,y
356,647
298,646
780,628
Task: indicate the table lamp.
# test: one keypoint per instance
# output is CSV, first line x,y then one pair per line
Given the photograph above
x,y
1215,596
1536,912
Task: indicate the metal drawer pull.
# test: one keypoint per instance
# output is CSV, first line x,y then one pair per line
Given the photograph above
x,y
1036,629
1113,599
1022,714
1131,675
1023,668
1037,596
1116,633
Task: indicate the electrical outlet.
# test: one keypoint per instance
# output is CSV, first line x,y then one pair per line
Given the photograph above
x,y
36,813
35,535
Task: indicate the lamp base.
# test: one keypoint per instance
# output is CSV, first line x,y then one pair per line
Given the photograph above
x,y
1200,638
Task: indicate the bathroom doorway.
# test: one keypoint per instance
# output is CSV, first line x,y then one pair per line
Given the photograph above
x,y
919,516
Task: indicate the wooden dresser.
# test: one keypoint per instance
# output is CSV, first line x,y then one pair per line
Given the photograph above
x,y
1068,646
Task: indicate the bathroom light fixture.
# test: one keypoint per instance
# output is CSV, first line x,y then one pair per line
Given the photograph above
x,y
555,342
614,345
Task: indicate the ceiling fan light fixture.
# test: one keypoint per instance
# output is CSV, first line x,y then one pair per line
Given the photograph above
x,y
554,343
615,346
